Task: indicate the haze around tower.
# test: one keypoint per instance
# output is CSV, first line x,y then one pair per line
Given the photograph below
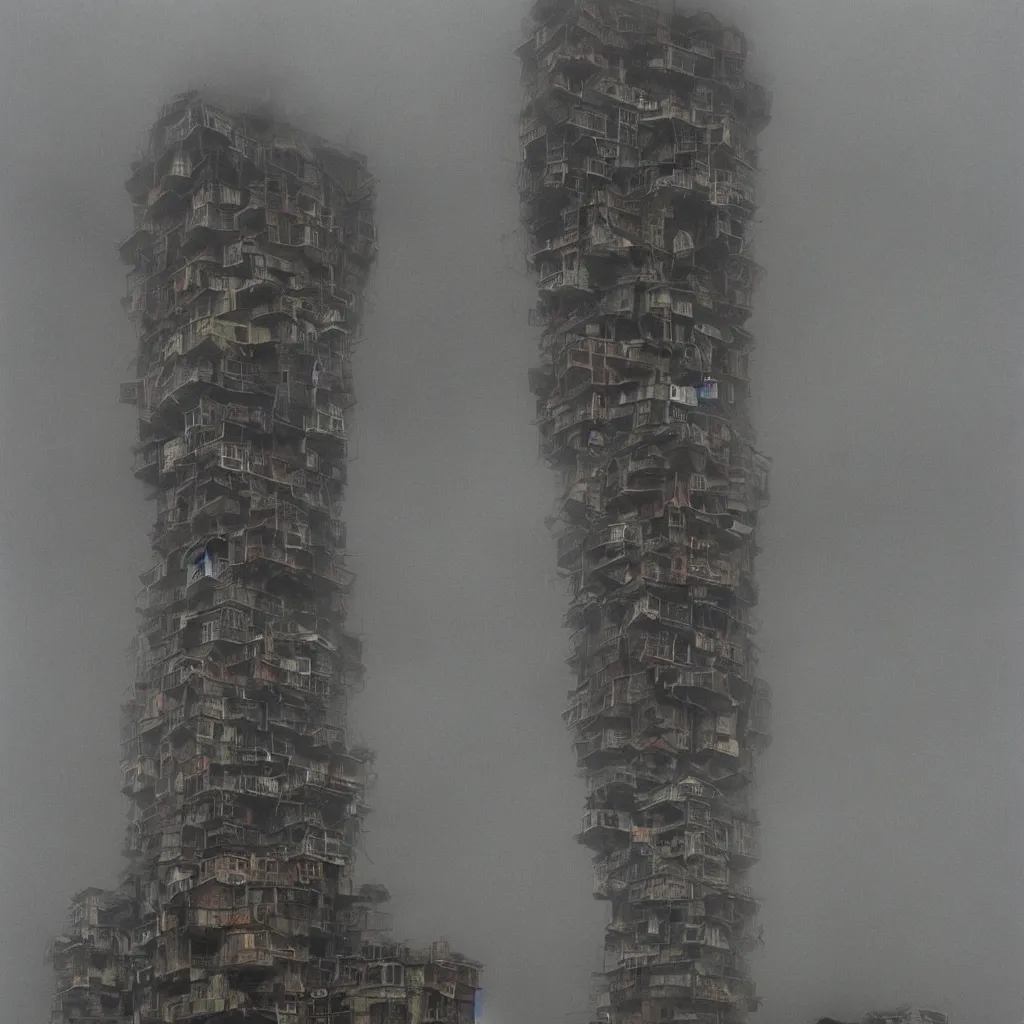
x,y
888,380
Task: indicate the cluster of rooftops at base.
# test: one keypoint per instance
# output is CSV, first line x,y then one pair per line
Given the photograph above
x,y
904,1015
252,245
103,966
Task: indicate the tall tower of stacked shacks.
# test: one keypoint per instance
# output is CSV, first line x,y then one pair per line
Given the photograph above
x,y
252,245
639,136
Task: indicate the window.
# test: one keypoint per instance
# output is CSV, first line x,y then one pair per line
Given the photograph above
x,y
310,870
237,368
231,456
234,618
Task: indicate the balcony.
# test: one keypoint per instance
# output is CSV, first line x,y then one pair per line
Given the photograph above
x,y
227,629
679,181
672,109
137,241
183,127
145,464
531,131
217,195
326,424
614,777
716,745
179,378
667,301
646,464
606,888
707,682
334,851
565,416
568,237
661,889
563,280
209,218
206,331
674,794
683,62
617,535
571,53
715,571
608,742
177,886
253,785
247,958
172,452
601,829
139,776
366,920
745,842
734,194
739,300
335,571
589,122
570,550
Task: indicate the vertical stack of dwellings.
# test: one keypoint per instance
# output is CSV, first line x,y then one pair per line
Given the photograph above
x,y
637,184
252,246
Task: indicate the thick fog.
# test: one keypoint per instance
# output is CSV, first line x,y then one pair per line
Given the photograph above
x,y
887,390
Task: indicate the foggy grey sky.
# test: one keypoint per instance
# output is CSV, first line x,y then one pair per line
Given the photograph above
x,y
888,383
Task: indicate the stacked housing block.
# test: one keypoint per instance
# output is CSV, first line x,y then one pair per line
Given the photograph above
x,y
639,155
252,246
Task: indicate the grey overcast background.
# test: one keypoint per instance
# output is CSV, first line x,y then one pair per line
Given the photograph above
x,y
888,388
